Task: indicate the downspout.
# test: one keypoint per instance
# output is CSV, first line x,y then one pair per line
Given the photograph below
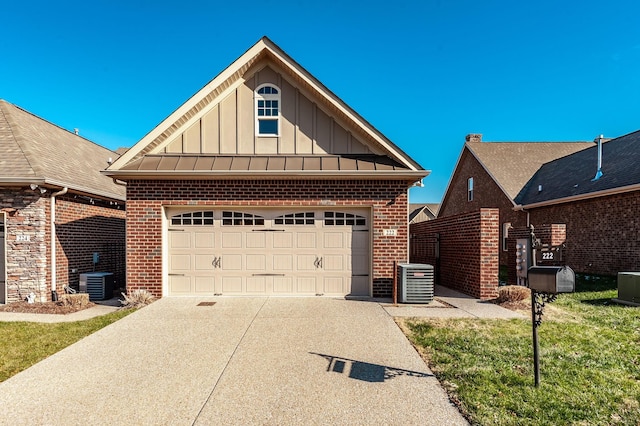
x,y
54,295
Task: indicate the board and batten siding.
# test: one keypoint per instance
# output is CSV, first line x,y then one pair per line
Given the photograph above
x,y
229,127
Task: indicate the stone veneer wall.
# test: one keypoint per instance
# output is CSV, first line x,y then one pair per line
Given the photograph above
x,y
26,215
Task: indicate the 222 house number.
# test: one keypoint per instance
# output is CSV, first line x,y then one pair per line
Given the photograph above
x,y
547,255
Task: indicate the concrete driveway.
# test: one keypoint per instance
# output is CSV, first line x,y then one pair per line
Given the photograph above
x,y
239,361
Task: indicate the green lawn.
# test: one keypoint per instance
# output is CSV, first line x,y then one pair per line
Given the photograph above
x,y
25,343
589,362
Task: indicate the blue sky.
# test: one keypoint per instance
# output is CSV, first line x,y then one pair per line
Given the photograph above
x,y
424,73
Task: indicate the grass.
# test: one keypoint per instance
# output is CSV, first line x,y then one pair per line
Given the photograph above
x,y
589,362
26,343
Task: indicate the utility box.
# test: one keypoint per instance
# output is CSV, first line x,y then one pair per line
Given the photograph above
x,y
523,257
552,279
629,287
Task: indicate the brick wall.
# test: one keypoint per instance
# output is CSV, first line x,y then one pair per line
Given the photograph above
x,y
84,227
145,200
468,248
26,243
602,234
486,194
81,227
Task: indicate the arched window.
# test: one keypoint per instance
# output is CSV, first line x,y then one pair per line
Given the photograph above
x,y
267,98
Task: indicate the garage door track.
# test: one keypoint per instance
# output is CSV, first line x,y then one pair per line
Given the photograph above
x,y
243,361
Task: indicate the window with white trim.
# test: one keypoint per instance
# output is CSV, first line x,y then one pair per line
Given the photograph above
x,y
505,235
267,97
470,189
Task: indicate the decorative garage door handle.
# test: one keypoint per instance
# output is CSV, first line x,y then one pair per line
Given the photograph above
x,y
216,262
318,262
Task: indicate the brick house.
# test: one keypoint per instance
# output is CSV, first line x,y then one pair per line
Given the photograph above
x,y
56,208
492,174
598,206
265,182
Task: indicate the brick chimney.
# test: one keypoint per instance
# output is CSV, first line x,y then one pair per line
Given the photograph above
x,y
474,137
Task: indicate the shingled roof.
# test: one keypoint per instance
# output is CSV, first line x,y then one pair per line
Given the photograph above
x,y
572,176
512,164
33,150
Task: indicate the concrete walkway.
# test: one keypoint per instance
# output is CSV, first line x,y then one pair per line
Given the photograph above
x,y
240,361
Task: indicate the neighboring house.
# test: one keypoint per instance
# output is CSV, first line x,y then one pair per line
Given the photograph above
x,y
602,216
422,212
265,182
56,208
492,174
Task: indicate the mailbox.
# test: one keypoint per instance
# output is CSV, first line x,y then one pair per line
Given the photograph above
x,y
552,279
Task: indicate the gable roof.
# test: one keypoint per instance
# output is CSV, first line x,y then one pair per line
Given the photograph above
x,y
33,150
571,177
429,210
512,164
232,77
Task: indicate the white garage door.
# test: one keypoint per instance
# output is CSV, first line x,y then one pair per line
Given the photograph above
x,y
258,252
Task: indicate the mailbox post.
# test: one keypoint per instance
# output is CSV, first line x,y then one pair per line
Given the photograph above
x,y
545,283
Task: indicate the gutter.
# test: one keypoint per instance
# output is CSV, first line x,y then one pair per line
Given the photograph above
x,y
52,207
253,174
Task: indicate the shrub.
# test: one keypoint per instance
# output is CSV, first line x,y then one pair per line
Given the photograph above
x,y
137,299
513,293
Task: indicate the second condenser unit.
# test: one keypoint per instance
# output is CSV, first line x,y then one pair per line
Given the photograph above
x,y
99,285
415,283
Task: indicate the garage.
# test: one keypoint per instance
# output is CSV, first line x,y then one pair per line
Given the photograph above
x,y
244,251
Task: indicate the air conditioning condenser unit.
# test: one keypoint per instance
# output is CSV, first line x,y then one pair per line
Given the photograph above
x,y
415,283
99,285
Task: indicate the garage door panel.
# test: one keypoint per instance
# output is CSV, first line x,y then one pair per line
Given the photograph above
x,y
283,262
231,262
204,284
256,284
283,285
256,240
232,285
179,262
204,240
306,262
180,285
334,240
283,240
179,240
358,240
256,262
203,262
334,262
334,285
306,240
231,240
306,285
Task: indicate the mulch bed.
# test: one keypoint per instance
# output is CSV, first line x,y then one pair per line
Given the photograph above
x,y
44,308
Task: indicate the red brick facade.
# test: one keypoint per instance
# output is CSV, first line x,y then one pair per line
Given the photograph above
x,y
145,201
468,251
486,194
603,234
82,228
